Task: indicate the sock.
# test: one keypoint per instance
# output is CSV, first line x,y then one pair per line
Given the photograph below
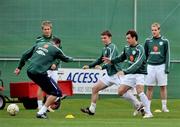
x,y
150,104
145,102
133,99
42,110
164,102
57,99
92,107
40,104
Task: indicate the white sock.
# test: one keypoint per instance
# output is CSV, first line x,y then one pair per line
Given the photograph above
x,y
150,104
57,99
133,99
164,104
40,104
145,102
42,110
92,107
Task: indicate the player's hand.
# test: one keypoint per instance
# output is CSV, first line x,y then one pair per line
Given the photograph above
x,y
53,66
85,67
98,67
106,60
120,73
17,71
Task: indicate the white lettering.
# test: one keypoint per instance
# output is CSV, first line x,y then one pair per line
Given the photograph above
x,y
43,49
40,52
156,53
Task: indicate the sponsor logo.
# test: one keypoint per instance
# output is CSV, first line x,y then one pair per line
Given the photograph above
x,y
40,52
156,53
43,49
84,80
155,48
133,52
131,58
83,77
160,43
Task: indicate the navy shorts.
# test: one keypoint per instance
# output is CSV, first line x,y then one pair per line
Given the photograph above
x,y
46,83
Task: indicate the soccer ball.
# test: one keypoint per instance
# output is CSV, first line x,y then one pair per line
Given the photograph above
x,y
12,109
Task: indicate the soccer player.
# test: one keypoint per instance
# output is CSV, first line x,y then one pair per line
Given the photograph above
x,y
157,51
134,73
47,36
110,51
41,57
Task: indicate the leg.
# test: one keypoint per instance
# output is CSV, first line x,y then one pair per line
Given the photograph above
x,y
50,87
51,99
163,92
95,94
151,81
129,95
53,91
162,82
40,98
53,74
144,100
149,94
126,92
123,89
95,91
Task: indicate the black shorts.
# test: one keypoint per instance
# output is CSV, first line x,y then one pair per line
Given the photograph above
x,y
46,83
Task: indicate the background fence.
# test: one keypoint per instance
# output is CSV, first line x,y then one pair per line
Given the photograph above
x,y
79,24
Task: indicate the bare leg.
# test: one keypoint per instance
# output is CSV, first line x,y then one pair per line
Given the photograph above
x,y
123,89
95,91
163,91
149,92
51,99
95,94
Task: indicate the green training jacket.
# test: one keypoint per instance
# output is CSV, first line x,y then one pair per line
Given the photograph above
x,y
41,57
134,59
157,52
111,52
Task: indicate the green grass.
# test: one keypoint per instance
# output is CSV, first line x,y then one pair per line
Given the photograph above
x,y
110,113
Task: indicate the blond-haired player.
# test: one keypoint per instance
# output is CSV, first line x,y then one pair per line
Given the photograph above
x,y
157,51
46,27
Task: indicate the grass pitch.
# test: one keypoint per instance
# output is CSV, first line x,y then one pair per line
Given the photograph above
x,y
113,112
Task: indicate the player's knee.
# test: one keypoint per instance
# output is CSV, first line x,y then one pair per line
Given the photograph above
x,y
120,92
163,88
139,88
150,88
58,93
94,89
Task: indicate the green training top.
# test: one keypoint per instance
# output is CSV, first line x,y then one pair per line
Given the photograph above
x,y
42,56
157,52
109,51
134,58
49,39
46,39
